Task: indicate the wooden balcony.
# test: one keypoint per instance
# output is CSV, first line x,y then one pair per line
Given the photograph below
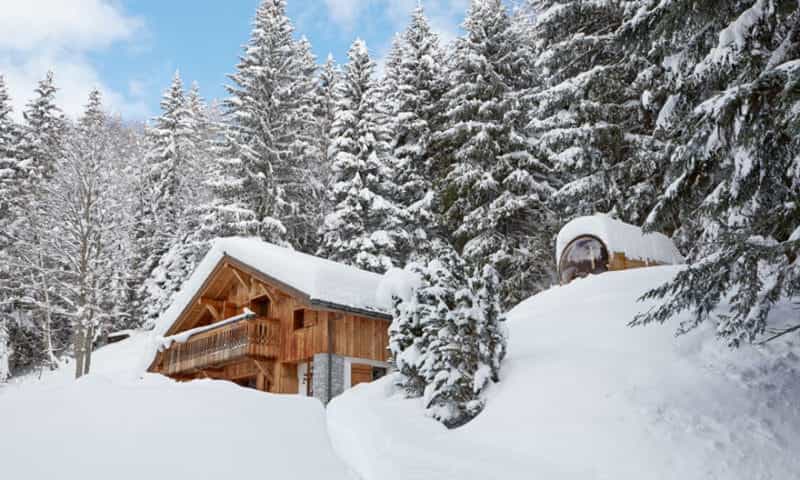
x,y
257,338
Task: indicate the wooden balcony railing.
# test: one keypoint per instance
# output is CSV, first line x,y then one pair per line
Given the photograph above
x,y
258,338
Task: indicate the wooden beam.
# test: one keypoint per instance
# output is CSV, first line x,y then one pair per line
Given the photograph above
x,y
241,276
258,289
264,369
216,307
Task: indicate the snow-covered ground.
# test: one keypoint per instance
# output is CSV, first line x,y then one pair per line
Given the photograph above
x,y
584,396
117,423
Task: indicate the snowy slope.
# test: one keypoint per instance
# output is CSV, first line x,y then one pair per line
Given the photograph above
x,y
117,423
584,396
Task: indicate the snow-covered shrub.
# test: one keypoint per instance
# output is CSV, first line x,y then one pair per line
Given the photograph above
x,y
447,339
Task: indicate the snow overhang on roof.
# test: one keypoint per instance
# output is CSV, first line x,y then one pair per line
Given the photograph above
x,y
324,283
620,237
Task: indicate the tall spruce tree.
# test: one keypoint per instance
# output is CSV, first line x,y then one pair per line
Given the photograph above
x,y
730,111
365,228
417,81
168,195
305,188
9,137
42,134
44,332
586,112
495,188
269,122
185,126
326,99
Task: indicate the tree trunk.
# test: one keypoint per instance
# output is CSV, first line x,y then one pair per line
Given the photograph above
x,y
87,350
79,344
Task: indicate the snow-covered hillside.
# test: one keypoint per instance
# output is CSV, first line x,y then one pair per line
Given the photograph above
x,y
584,396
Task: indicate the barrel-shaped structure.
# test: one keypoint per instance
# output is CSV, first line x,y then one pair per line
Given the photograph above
x,y
598,243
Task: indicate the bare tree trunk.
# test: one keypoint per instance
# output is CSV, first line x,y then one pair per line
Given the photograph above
x,y
87,350
79,343
48,323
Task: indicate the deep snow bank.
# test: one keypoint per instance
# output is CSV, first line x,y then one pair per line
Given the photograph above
x,y
120,423
100,428
584,396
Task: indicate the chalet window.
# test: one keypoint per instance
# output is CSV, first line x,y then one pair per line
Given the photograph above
x,y
378,372
584,256
299,319
260,306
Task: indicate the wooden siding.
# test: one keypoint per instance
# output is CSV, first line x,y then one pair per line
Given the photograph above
x,y
360,373
619,261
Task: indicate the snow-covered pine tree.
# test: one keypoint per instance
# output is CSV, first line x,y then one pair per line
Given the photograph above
x,y
127,141
586,112
42,134
185,125
40,330
417,80
495,189
168,160
305,188
389,82
448,337
365,228
327,96
170,143
9,139
733,180
9,133
258,184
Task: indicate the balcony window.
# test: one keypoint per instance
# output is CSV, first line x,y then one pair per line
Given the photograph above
x,y
260,306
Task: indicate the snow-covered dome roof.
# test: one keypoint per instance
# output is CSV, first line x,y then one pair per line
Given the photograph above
x,y
620,237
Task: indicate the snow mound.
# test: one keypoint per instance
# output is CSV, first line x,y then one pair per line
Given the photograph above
x,y
101,427
620,237
585,396
322,280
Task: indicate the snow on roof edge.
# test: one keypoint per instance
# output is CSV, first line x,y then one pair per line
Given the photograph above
x,y
325,282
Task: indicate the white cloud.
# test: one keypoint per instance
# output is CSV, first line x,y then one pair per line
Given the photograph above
x,y
345,12
444,15
59,35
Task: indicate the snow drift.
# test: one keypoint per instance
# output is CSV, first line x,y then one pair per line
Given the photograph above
x,y
584,396
118,423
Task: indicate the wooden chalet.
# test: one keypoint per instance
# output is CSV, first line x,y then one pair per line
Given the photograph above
x,y
276,320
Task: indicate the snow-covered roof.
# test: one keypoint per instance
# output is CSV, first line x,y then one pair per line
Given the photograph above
x,y
324,282
620,237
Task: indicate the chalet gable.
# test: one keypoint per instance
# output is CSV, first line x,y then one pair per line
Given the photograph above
x,y
254,269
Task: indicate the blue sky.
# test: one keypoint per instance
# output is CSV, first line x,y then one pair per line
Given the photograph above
x,y
130,48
